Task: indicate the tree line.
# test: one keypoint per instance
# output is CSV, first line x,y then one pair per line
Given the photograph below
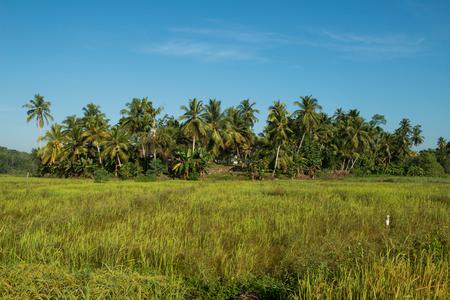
x,y
16,162
303,142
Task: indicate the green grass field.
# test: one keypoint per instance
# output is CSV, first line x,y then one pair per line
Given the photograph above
x,y
72,239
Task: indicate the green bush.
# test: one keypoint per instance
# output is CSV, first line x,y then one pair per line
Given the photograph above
x,y
127,170
101,175
156,167
415,171
428,163
194,175
151,175
395,170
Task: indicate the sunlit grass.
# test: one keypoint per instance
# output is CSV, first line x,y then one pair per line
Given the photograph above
x,y
68,238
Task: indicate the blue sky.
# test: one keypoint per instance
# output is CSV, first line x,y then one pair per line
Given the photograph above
x,y
388,57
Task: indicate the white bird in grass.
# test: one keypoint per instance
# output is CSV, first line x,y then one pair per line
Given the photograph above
x,y
387,220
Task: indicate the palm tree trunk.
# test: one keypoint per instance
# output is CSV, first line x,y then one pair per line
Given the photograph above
x,y
99,155
276,161
353,164
143,151
347,164
39,136
154,154
301,142
193,143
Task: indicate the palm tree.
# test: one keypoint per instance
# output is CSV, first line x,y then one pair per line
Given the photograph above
x,y
307,116
75,141
38,109
403,138
116,146
441,144
278,128
248,112
214,118
55,141
133,116
235,131
194,124
416,135
359,139
94,134
95,127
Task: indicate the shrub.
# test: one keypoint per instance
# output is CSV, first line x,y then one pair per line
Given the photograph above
x,y
151,175
127,170
101,175
395,170
415,171
360,172
428,163
156,167
193,176
256,167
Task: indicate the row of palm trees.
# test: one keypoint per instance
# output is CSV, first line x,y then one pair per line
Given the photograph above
x,y
304,141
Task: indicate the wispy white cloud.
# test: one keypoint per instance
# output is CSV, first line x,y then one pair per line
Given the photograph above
x,y
227,42
203,50
217,42
237,34
387,46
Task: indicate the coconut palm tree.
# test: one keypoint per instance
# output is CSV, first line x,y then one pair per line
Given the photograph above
x,y
39,109
140,119
307,116
94,134
194,124
416,135
359,139
441,144
235,131
403,139
248,112
75,142
95,126
116,147
278,128
54,139
214,118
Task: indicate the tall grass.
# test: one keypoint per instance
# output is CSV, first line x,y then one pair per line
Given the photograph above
x,y
62,238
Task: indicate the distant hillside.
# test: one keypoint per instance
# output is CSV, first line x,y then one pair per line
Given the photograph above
x,y
15,162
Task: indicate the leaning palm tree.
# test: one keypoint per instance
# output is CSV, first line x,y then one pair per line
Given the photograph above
x,y
278,128
38,109
307,116
194,124
116,147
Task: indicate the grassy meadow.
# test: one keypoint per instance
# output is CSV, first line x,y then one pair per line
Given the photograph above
x,y
77,239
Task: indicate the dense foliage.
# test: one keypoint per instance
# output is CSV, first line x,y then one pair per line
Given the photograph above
x,y
303,142
16,162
